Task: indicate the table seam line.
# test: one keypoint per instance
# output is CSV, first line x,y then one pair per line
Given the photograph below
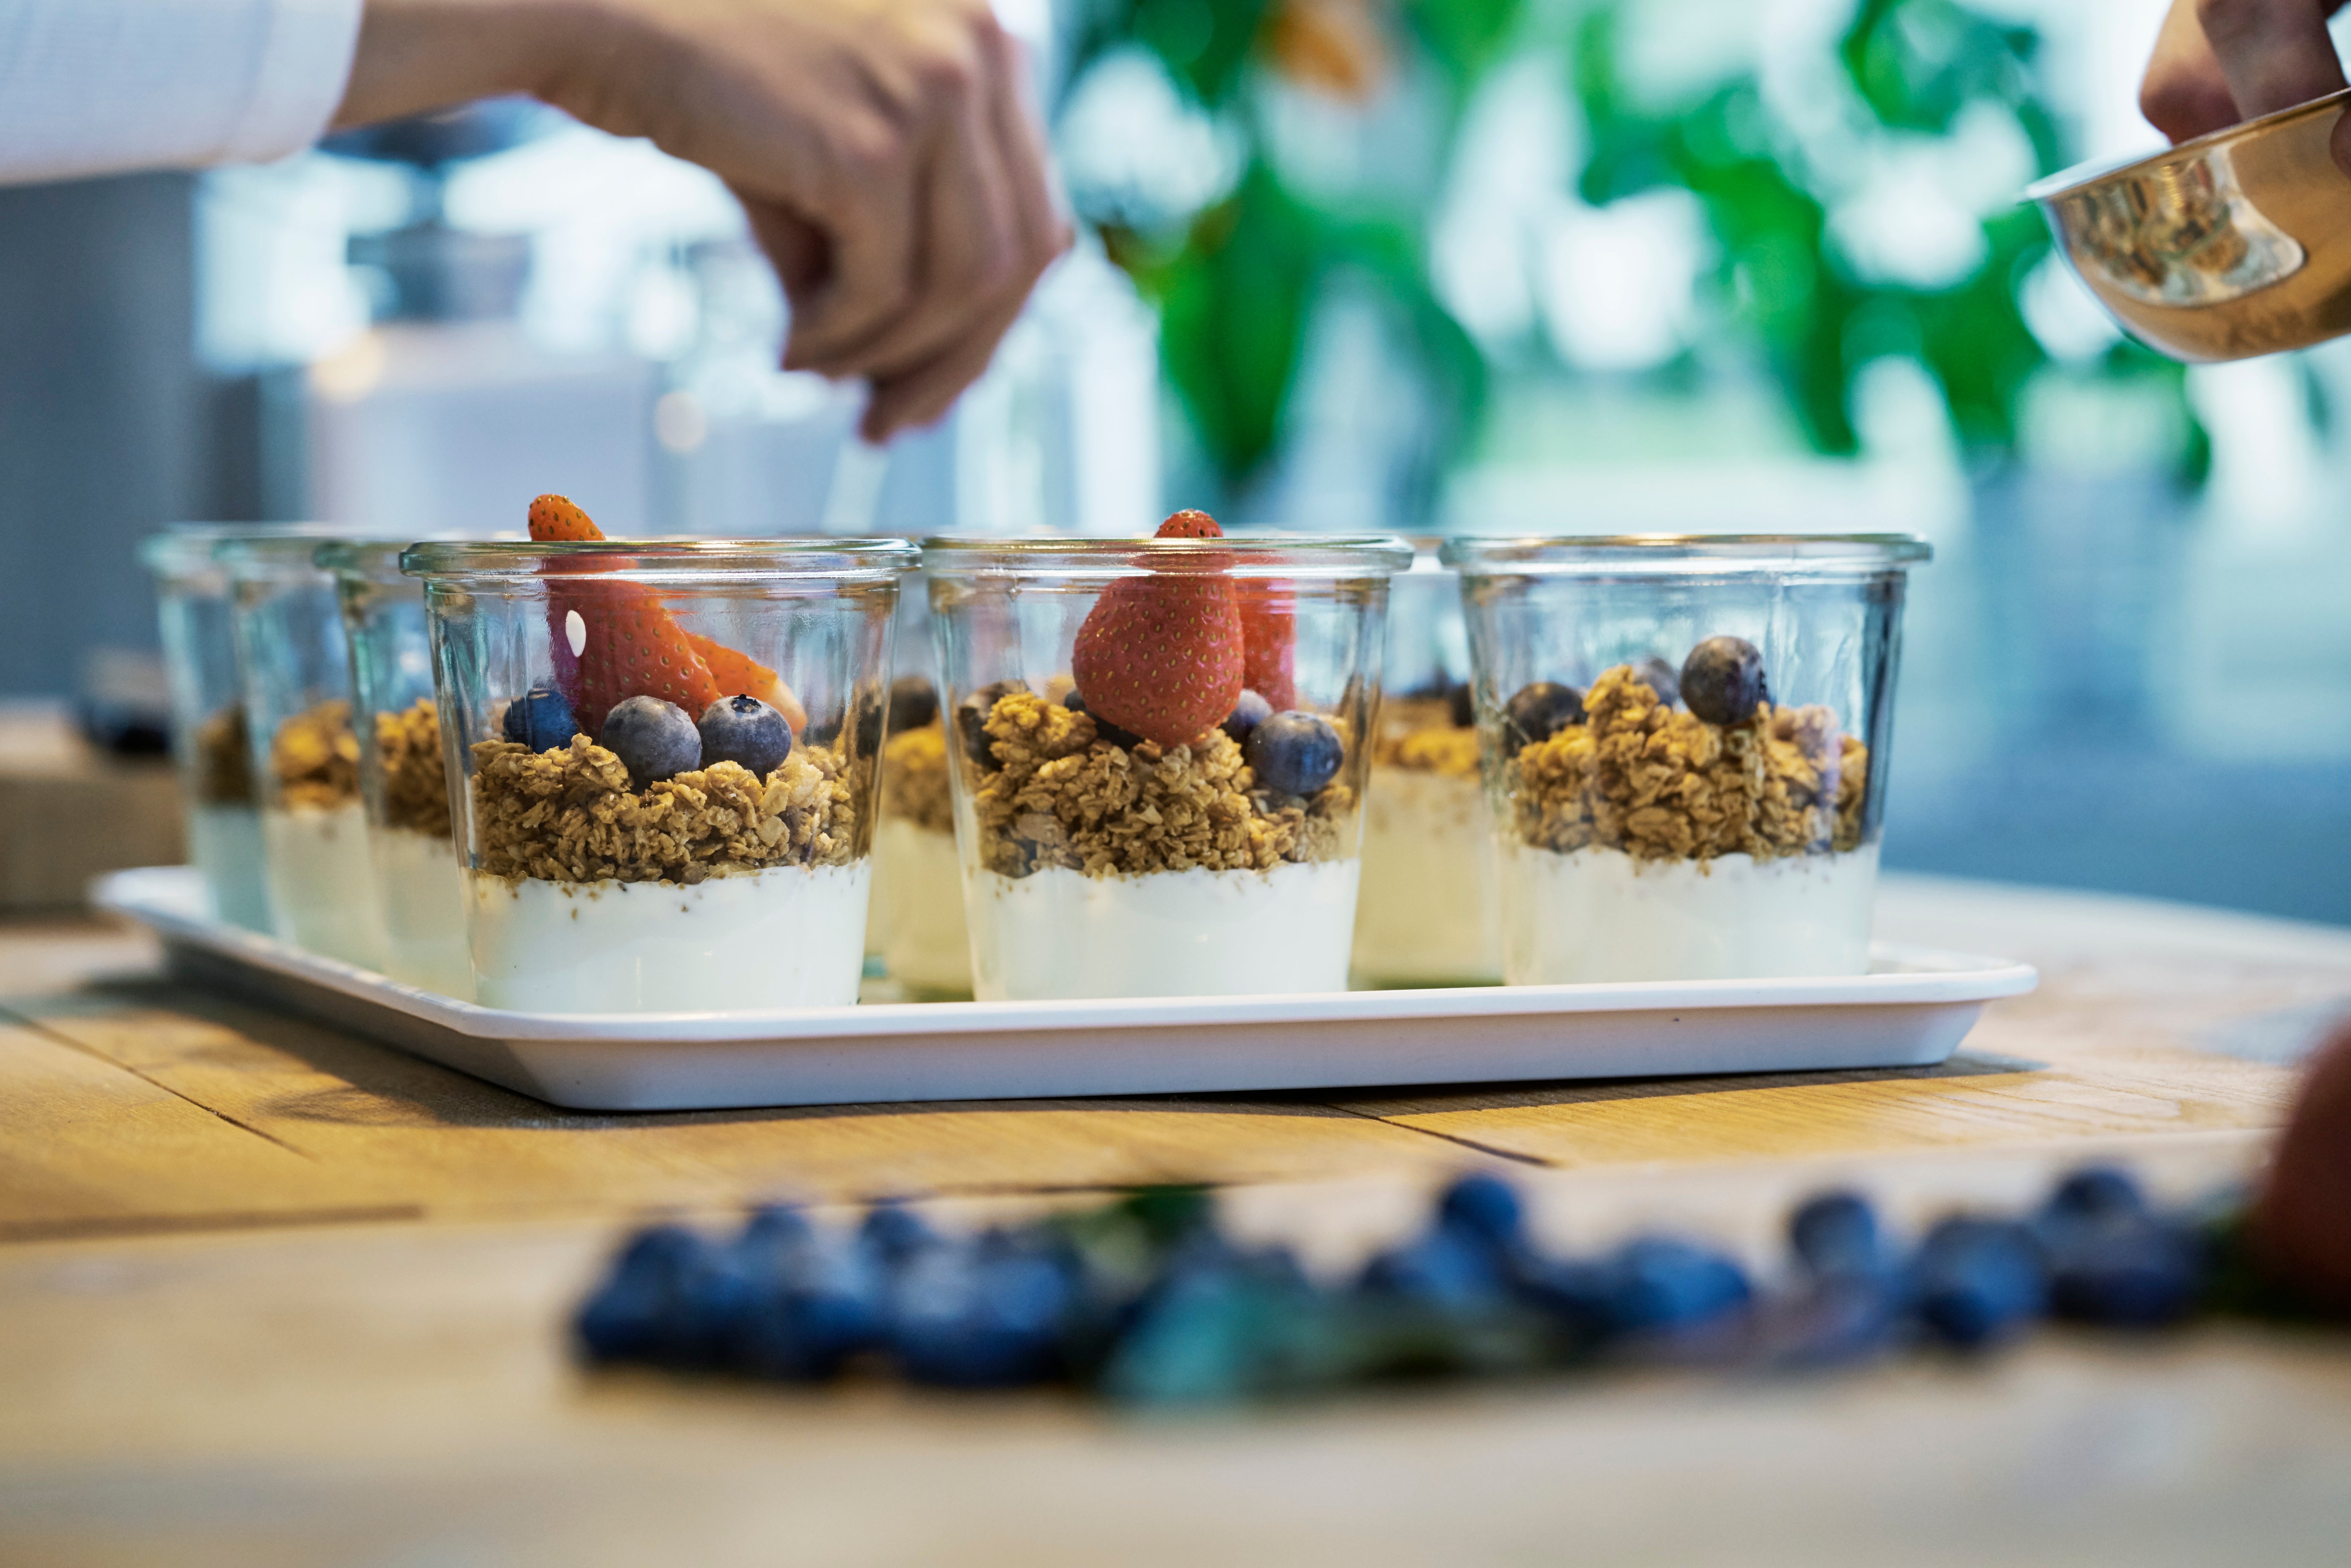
x,y
1513,1155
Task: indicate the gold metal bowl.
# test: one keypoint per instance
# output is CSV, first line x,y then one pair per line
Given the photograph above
x,y
2233,245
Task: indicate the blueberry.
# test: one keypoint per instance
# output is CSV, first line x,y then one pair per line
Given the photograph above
x,y
1659,677
1449,1269
2095,1193
980,1316
1978,1281
1722,680
2136,1274
971,720
1482,1205
745,730
1540,711
868,715
1836,1233
542,719
654,739
1294,753
1247,713
913,704
893,1233
671,1298
812,1300
1662,1283
1461,705
1125,739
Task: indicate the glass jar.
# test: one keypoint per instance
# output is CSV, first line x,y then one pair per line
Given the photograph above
x,y
916,927
1430,911
1120,841
208,726
294,665
403,779
633,839
1685,742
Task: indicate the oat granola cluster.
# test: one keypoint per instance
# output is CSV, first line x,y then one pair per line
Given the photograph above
x,y
1660,783
915,779
415,785
1060,795
1418,734
569,815
315,758
223,759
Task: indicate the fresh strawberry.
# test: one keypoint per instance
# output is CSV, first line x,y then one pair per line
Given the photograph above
x,y
633,646
1270,641
555,518
1161,655
739,674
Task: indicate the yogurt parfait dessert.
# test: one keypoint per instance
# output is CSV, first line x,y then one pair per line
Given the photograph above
x,y
295,663
1680,818
1430,911
1170,806
653,820
925,943
210,743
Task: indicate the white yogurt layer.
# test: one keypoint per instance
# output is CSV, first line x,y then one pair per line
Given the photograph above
x,y
1599,914
423,895
225,844
1431,910
322,883
918,881
1197,933
788,937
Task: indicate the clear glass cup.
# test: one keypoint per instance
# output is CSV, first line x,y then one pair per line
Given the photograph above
x,y
1102,864
295,666
690,885
208,728
1430,911
403,776
1686,744
916,927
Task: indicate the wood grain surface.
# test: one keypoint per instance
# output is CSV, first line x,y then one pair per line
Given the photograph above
x,y
275,1295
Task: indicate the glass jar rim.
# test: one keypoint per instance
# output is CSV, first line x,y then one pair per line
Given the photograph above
x,y
1248,555
1680,555
203,547
667,560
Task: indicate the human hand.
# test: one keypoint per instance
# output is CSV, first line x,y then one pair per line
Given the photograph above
x,y
881,149
2220,61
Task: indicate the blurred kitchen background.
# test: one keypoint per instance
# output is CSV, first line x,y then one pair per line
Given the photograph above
x,y
1395,264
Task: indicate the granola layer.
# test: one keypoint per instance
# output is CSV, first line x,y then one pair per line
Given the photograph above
x,y
1660,783
415,782
1061,796
1418,734
315,755
915,779
569,815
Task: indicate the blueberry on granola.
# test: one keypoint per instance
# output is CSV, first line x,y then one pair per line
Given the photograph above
x,y
745,730
1659,677
1127,739
971,720
1294,753
913,702
1461,705
1247,713
1540,710
540,719
652,738
1722,680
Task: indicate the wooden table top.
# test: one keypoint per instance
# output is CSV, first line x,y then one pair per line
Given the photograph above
x,y
269,1294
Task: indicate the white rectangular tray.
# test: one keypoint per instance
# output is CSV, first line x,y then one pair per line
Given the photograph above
x,y
1911,1011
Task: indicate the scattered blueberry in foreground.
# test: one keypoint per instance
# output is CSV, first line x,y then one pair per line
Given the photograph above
x,y
1836,1233
1294,753
1722,680
2095,1193
1247,713
542,719
1125,739
1978,1281
1659,677
652,738
971,721
1484,1205
913,702
1539,711
745,730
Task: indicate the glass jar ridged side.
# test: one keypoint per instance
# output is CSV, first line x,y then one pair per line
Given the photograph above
x,y
663,755
1157,758
403,781
1684,742
293,660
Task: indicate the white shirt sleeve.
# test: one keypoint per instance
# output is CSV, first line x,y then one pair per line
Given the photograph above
x,y
102,87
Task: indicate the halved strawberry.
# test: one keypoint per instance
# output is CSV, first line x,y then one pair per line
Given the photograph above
x,y
1269,640
1161,655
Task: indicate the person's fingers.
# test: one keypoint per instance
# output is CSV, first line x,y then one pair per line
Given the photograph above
x,y
797,248
866,205
919,396
2273,53
969,240
1044,231
2184,94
